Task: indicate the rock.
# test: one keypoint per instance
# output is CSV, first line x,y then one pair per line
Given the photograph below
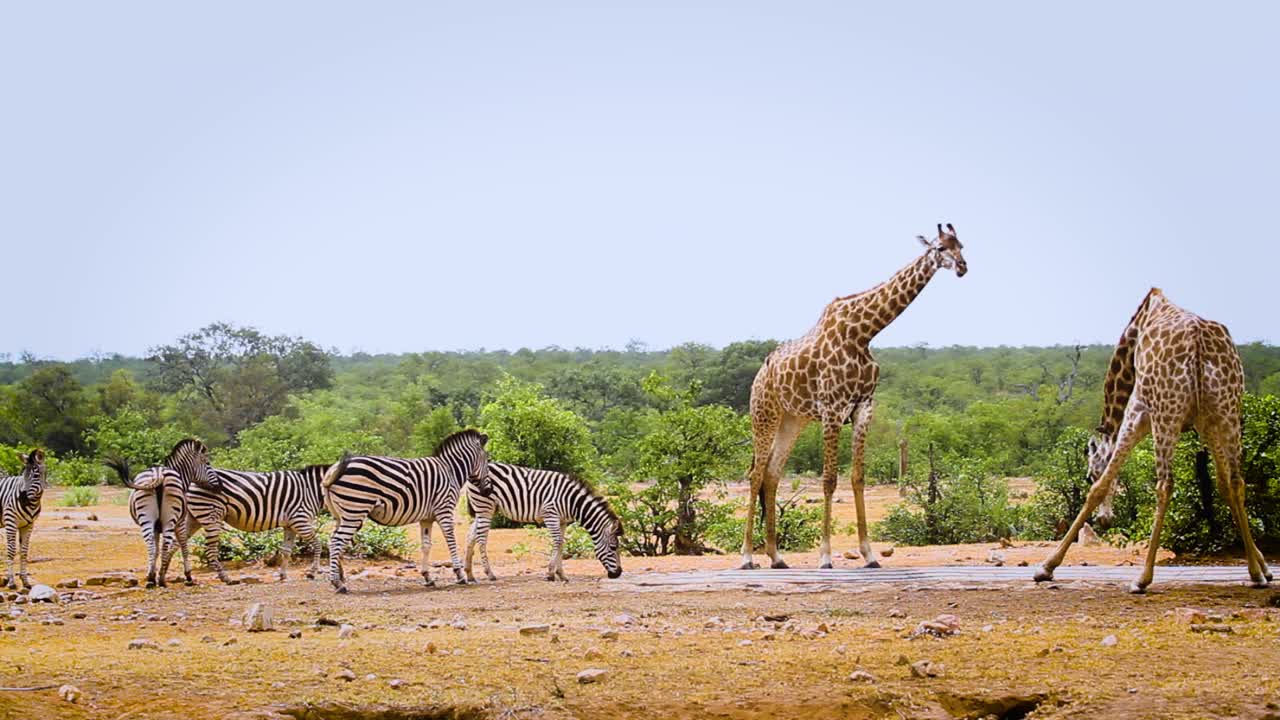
x,y
851,555
887,552
778,618
346,631
896,613
942,626
625,652
902,660
995,557
397,683
541,629
430,648
1088,537
624,619
609,634
229,642
69,583
175,642
592,675
926,669
980,705
41,593
208,639
346,675
79,615
250,580
1109,641
143,644
113,578
92,517
1023,563
592,654
70,693
258,618
988,628
862,676
745,643
458,624
1189,615
1219,628
371,676
295,634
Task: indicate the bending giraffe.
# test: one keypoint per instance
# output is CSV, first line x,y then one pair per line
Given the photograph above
x,y
1171,371
829,376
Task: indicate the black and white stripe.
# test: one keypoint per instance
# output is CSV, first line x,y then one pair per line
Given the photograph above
x,y
400,491
554,499
255,502
158,505
20,497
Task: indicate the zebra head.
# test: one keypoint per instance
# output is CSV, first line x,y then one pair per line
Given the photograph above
x,y
607,548
190,458
33,474
467,450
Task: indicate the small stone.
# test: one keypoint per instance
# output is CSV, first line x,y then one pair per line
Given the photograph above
x,y
609,634
995,557
541,629
926,669
79,615
624,619
397,683
896,613
70,693
851,555
887,552
1023,563
143,644
862,676
902,660
1110,640
592,654
430,648
346,675
175,642
250,580
745,643
988,628
942,626
592,675
1189,615
346,631
208,639
1212,628
842,649
625,652
92,517
229,642
258,618
41,593
295,634
70,583
458,624
371,676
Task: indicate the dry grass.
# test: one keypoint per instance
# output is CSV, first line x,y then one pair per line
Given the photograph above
x,y
667,665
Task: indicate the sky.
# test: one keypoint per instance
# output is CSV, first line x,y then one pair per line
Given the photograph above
x,y
409,176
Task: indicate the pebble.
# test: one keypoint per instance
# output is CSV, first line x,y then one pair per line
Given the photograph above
x,y
1219,628
541,629
1110,640
862,676
926,669
143,644
42,593
295,634
609,634
745,643
70,693
851,555
258,618
624,619
397,683
345,674
175,642
592,675
346,631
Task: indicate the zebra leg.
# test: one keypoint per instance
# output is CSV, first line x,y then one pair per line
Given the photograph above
x,y
446,524
213,549
24,543
11,535
555,570
285,554
183,537
471,547
307,532
424,530
167,547
149,537
346,528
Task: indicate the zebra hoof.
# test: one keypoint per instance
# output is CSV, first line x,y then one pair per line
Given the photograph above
x,y
342,590
189,582
150,584
26,583
748,566
874,564
493,578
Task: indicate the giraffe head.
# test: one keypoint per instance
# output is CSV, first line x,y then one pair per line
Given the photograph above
x,y
1101,447
948,249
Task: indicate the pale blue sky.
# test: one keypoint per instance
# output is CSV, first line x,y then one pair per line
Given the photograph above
x,y
410,176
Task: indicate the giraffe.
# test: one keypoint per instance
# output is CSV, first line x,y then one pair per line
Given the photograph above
x,y
829,376
1171,371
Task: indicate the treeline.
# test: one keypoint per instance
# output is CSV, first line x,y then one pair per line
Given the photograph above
x,y
618,417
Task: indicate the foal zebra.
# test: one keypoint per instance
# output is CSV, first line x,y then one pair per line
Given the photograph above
x,y
20,497
254,502
554,499
400,491
158,505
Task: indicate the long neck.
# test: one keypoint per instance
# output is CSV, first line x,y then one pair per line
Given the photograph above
x,y
1121,377
870,312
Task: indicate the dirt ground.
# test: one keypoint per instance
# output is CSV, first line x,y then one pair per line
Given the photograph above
x,y
1022,650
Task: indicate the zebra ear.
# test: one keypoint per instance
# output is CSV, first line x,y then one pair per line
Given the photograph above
x,y
36,456
484,439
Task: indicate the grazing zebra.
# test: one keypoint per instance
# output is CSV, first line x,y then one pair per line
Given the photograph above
x,y
158,505
399,491
551,498
20,497
254,502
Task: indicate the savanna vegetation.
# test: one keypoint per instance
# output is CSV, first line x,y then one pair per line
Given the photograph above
x,y
660,431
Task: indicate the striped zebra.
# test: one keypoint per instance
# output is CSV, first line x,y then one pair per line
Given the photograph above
x,y
257,501
158,505
554,499
20,497
399,491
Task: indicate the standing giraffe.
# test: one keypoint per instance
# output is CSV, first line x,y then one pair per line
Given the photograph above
x,y
829,376
1171,371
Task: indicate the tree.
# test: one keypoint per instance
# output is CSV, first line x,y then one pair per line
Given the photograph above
x,y
688,447
728,381
48,408
526,427
238,376
129,435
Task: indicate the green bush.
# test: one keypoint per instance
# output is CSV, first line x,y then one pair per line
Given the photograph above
x,y
10,460
799,529
577,543
373,541
526,427
76,471
80,497
964,503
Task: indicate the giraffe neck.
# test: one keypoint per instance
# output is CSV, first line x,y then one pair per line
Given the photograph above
x,y
872,311
1121,376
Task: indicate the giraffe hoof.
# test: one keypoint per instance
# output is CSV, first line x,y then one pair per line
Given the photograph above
x,y
189,582
1137,588
779,565
824,566
1043,575
874,564
1261,583
149,584
748,566
342,590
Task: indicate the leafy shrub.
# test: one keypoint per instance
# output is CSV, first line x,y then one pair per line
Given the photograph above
x,y
799,526
961,503
526,427
577,543
77,471
373,541
10,460
80,497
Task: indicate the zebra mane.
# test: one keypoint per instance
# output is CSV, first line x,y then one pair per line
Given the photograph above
x,y
184,444
458,437
598,497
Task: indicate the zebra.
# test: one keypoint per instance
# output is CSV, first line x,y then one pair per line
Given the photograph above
x,y
158,505
526,495
399,491
20,497
257,501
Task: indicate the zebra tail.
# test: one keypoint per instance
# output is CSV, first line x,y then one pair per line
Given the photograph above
x,y
151,481
336,470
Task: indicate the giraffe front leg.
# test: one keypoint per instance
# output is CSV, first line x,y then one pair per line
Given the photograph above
x,y
424,531
24,544
861,422
455,559
763,431
830,466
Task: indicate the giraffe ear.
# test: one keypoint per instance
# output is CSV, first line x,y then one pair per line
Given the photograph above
x,y
939,229
923,241
951,229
